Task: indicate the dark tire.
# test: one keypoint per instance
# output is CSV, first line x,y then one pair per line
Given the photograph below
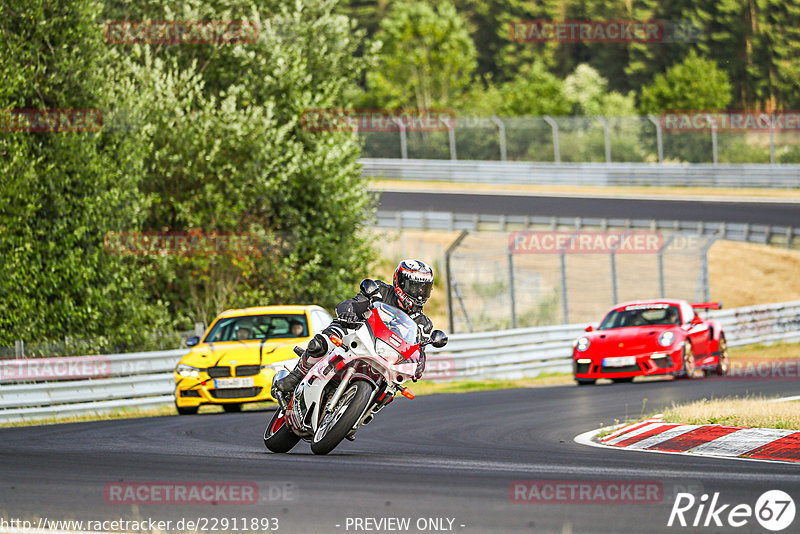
x,y
232,408
724,365
277,436
585,381
626,380
337,424
688,368
187,410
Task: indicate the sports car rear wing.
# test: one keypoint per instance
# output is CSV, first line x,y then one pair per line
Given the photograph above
x,y
707,305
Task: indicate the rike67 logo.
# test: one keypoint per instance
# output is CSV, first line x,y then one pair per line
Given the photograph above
x,y
774,510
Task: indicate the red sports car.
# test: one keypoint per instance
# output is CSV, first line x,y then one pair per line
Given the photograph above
x,y
651,337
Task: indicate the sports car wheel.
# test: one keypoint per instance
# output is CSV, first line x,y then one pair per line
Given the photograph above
x,y
724,365
688,362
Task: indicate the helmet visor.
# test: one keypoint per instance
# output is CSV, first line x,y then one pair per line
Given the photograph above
x,y
417,290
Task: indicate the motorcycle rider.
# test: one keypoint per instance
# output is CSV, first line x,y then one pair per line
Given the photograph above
x,y
412,284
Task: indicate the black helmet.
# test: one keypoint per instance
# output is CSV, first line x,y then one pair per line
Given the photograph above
x,y
413,281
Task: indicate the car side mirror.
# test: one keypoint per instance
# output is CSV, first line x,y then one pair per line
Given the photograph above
x,y
438,339
192,341
370,288
589,328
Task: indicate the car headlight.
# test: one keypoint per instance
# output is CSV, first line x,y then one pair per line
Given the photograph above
x,y
582,344
666,338
385,351
187,370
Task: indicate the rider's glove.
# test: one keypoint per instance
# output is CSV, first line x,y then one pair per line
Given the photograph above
x,y
349,319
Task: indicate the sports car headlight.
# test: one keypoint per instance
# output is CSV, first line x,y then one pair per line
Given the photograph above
x,y
187,370
582,344
385,351
666,338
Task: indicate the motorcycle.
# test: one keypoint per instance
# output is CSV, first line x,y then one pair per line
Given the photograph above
x,y
355,381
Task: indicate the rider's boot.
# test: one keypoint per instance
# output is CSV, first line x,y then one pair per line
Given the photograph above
x,y
317,348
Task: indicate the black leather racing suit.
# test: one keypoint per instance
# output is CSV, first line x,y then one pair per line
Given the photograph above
x,y
353,308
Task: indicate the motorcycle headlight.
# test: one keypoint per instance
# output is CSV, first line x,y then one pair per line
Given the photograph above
x,y
666,338
187,370
582,344
385,351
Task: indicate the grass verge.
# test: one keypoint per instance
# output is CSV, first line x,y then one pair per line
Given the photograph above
x,y
752,411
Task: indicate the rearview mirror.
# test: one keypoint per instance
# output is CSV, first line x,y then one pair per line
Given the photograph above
x,y
192,341
589,328
370,288
438,339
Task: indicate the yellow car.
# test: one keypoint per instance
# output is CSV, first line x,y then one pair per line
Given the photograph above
x,y
239,354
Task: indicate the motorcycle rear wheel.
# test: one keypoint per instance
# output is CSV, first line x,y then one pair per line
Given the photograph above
x,y
277,436
337,423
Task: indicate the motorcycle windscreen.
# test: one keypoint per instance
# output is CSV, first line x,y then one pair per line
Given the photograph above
x,y
398,322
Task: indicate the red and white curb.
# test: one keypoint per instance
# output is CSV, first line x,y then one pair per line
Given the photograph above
x,y
654,435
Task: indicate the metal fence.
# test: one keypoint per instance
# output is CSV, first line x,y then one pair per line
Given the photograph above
x,y
784,236
145,379
494,285
595,174
580,139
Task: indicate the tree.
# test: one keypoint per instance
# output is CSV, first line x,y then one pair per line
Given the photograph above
x,y
588,93
534,92
62,192
230,154
426,57
694,84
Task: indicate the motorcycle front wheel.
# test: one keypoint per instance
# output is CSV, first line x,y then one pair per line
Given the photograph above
x,y
338,422
278,437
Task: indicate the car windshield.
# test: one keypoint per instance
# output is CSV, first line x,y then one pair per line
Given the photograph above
x,y
641,315
258,327
398,322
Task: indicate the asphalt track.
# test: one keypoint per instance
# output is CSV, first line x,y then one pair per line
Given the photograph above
x,y
442,456
755,212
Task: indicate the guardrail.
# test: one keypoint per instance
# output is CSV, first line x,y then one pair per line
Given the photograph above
x,y
524,352
435,220
598,174
145,379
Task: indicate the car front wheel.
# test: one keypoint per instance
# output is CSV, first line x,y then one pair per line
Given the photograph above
x,y
724,364
688,368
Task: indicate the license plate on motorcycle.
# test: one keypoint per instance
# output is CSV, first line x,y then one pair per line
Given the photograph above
x,y
227,383
619,361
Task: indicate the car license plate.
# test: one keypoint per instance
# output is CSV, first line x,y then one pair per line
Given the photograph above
x,y
227,383
619,361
